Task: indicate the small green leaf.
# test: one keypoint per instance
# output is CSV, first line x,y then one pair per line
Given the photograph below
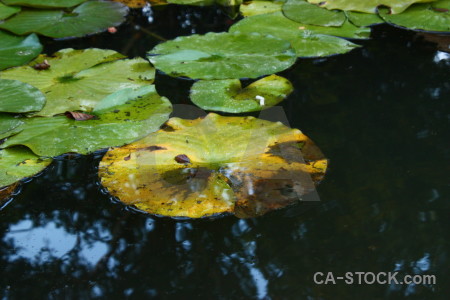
x,y
228,95
428,17
79,79
89,17
15,50
135,114
307,13
7,11
223,56
19,97
17,163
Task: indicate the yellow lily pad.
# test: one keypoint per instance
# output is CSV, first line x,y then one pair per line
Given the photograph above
x,y
214,165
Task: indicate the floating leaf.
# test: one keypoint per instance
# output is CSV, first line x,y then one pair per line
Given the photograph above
x,y
9,125
367,6
307,13
363,19
234,164
89,17
19,162
7,11
305,39
78,79
19,97
15,50
223,56
254,8
121,118
429,17
228,95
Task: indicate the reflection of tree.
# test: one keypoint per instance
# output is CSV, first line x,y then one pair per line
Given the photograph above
x,y
383,202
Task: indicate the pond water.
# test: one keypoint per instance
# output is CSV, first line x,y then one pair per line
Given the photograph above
x,y
379,113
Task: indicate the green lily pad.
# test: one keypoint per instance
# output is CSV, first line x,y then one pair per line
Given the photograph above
x,y
9,125
16,50
19,162
307,13
263,24
427,17
89,17
202,167
121,118
7,11
367,6
223,56
44,3
254,8
228,95
79,79
19,97
305,39
363,19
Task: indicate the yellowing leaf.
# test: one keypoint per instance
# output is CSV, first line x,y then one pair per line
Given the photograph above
x,y
202,167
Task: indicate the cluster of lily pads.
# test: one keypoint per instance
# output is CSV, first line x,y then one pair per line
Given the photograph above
x,y
80,101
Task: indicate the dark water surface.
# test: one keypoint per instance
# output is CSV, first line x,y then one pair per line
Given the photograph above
x,y
380,114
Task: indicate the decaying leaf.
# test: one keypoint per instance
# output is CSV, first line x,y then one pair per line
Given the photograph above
x,y
214,165
78,116
133,3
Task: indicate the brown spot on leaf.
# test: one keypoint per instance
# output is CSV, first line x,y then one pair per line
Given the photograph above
x,y
42,66
78,116
182,159
127,157
440,9
151,148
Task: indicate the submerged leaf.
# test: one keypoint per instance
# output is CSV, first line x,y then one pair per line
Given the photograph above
x,y
234,164
44,3
121,118
89,17
78,79
367,6
223,56
307,13
19,97
7,11
307,40
17,163
428,17
228,95
5,192
15,50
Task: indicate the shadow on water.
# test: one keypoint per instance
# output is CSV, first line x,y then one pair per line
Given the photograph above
x,y
380,114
